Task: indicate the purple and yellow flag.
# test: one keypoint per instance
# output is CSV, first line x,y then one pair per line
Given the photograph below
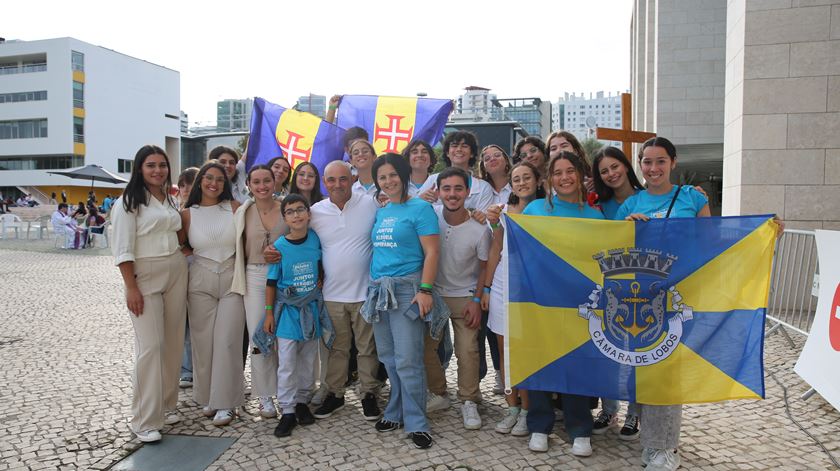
x,y
392,122
298,136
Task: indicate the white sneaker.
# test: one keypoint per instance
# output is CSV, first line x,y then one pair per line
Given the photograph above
x,y
148,436
320,394
185,383
267,410
223,417
171,418
538,442
208,411
499,387
663,460
582,447
509,421
521,427
472,420
646,454
436,403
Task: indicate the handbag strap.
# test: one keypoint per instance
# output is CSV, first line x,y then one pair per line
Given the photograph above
x,y
673,200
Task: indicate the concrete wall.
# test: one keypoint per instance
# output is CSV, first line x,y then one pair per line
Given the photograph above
x,y
782,116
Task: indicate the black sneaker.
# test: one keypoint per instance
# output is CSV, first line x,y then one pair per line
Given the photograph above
x,y
385,425
304,415
630,430
603,422
421,440
370,409
284,428
331,404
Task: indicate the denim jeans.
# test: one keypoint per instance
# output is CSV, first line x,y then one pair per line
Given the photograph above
x,y
610,406
399,336
186,358
445,348
661,428
577,416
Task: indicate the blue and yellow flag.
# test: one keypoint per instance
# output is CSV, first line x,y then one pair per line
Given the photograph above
x,y
392,122
298,136
669,311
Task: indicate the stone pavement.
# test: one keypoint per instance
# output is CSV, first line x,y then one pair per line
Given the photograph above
x,y
66,356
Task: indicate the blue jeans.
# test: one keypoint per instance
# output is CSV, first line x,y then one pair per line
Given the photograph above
x,y
445,348
577,416
186,358
610,406
399,336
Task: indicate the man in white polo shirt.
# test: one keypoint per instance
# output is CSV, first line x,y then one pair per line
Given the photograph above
x,y
343,224
464,247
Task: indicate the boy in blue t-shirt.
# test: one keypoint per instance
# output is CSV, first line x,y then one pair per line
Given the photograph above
x,y
300,271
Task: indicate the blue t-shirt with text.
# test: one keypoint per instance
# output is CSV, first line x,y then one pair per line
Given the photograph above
x,y
396,237
563,209
298,267
689,202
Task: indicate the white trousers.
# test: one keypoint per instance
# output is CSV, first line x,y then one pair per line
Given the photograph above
x,y
295,375
263,364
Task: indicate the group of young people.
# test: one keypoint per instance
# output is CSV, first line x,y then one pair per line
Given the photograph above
x,y
386,261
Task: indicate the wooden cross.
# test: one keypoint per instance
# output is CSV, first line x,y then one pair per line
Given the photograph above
x,y
626,134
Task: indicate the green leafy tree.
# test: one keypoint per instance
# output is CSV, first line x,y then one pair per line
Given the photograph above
x,y
241,143
591,145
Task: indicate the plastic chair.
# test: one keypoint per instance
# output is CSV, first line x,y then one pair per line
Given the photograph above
x,y
97,238
10,221
63,237
41,225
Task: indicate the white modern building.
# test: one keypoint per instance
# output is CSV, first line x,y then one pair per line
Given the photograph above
x,y
476,104
65,103
234,114
581,114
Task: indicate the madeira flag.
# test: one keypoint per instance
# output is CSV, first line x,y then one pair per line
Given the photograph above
x,y
392,122
669,311
298,136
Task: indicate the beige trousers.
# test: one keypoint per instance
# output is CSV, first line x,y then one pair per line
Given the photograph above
x,y
158,338
347,321
466,350
263,364
217,320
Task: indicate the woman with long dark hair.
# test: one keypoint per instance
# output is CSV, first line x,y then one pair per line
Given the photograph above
x,y
154,271
306,181
217,315
614,179
282,171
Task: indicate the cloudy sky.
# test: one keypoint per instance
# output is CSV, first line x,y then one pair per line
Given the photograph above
x,y
281,50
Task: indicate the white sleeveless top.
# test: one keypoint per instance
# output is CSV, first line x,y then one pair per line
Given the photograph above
x,y
212,234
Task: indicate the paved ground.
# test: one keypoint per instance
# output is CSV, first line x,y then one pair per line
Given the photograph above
x,y
65,362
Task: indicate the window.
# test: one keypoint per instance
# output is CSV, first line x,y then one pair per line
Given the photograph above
x,y
78,129
124,165
23,96
41,163
78,61
23,129
78,95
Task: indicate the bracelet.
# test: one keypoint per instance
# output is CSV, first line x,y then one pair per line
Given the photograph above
x,y
487,289
425,291
333,107
269,308
427,286
476,299
494,226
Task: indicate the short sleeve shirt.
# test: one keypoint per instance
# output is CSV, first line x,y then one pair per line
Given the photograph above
x,y
396,237
562,208
298,267
462,248
688,203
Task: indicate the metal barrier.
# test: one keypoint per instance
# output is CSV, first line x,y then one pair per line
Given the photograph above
x,y
792,303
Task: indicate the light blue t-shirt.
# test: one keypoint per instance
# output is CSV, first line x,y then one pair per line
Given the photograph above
x,y
689,202
396,237
562,209
106,205
610,207
299,268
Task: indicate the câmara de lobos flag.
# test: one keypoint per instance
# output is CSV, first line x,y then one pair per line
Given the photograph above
x,y
392,122
669,311
299,137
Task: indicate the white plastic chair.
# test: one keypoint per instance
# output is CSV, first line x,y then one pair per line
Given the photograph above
x,y
10,221
41,225
63,237
97,238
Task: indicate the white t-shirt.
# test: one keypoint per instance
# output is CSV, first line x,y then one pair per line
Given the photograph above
x,y
501,197
359,188
345,246
238,185
480,197
461,249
